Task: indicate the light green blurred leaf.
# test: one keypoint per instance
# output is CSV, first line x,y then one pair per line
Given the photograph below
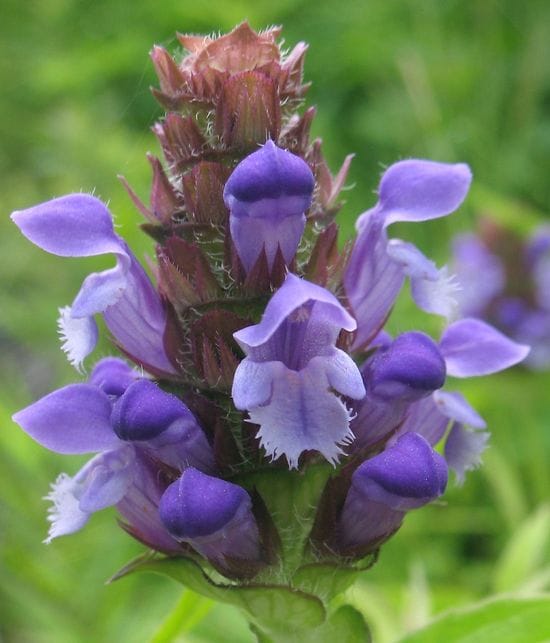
x,y
524,552
503,620
276,608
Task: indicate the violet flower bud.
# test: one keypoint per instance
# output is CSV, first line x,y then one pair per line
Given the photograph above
x,y
405,476
147,413
408,369
268,194
212,515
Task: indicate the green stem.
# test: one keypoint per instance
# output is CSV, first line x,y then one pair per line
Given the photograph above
x,y
188,612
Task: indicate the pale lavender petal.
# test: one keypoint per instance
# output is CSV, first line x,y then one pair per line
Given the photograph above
x,y
252,383
472,347
418,190
433,289
372,279
65,515
101,483
302,414
439,296
463,449
73,419
342,374
104,481
454,406
78,336
412,260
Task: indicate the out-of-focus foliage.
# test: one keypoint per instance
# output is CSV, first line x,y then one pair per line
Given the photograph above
x,y
444,79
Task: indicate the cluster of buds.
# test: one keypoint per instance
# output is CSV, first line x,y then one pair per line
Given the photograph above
x,y
514,294
267,421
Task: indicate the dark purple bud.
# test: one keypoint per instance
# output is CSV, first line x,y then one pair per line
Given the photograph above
x,y
212,515
113,376
268,195
400,373
145,411
405,476
409,369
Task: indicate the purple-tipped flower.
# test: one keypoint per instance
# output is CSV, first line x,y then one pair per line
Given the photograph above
x,y
405,476
408,369
213,516
292,373
79,225
79,419
412,190
267,195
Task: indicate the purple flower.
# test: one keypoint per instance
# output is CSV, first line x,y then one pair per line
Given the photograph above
x,y
143,423
470,348
213,516
405,476
79,225
514,293
268,194
292,372
409,191
406,370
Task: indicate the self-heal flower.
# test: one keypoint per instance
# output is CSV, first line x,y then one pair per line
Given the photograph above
x,y
292,373
413,190
124,431
406,370
404,476
267,195
514,293
79,225
213,516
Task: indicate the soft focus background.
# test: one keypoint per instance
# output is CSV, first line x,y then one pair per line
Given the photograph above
x,y
444,79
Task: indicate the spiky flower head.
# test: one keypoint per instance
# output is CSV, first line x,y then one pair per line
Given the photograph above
x,y
272,430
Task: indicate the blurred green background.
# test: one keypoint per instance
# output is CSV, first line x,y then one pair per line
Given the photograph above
x,y
445,79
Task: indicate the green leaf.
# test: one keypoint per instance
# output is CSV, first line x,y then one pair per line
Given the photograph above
x,y
324,580
502,620
524,553
346,624
273,608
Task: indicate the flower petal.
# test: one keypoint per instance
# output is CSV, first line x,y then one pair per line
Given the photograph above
x,y
463,449
78,336
73,419
472,347
418,190
76,225
302,415
293,294
454,406
372,279
105,479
